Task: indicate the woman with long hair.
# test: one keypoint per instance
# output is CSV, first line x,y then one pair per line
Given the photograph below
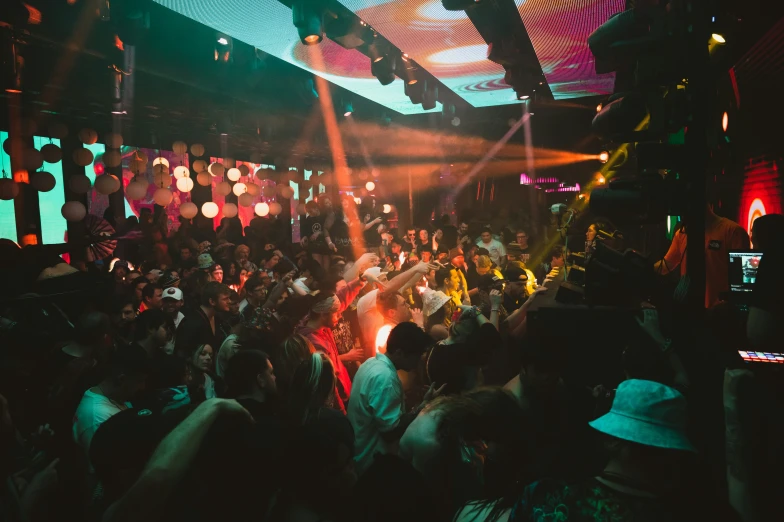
x,y
201,363
293,351
312,389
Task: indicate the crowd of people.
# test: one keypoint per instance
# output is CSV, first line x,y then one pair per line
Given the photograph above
x,y
233,375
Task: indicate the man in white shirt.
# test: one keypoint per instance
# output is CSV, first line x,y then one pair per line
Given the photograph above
x,y
495,247
376,407
128,370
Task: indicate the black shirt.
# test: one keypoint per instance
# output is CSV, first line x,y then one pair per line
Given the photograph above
x,y
195,330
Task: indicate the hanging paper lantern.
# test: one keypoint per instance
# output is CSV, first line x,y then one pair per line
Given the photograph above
x,y
199,166
141,180
83,157
160,164
209,209
137,166
363,175
12,144
233,174
252,189
275,208
185,184
9,189
73,211
112,158
239,189
52,153
261,209
223,188
58,130
88,136
370,186
113,140
188,210
179,147
42,181
203,179
107,184
268,191
216,169
197,149
79,184
387,208
162,180
244,170
162,196
296,176
245,200
230,210
33,159
140,155
287,192
301,209
363,192
135,190
181,172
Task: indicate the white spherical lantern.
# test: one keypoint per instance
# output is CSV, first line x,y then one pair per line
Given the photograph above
x,y
162,180
140,155
162,197
216,169
188,210
287,192
33,159
79,184
9,189
112,158
252,189
142,181
233,174
203,179
370,186
181,172
179,147
88,136
185,184
42,181
199,166
244,170
107,184
137,166
230,210
73,211
135,190
113,140
245,200
197,149
160,160
387,208
239,189
275,208
52,153
261,209
223,188
160,169
209,209
83,157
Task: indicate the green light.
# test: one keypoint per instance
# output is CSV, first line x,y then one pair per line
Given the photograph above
x,y
53,224
7,212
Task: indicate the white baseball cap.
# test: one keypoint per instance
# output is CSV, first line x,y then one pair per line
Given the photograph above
x,y
173,293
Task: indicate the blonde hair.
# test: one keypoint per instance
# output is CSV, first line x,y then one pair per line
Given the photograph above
x,y
484,262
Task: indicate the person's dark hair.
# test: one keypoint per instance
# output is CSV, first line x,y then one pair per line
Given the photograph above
x,y
314,300
487,229
188,264
312,387
315,269
386,301
288,357
766,230
311,205
149,291
119,302
242,370
556,252
442,274
212,291
139,280
151,320
91,328
409,339
253,283
127,361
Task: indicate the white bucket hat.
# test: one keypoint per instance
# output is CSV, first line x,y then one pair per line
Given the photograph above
x,y
647,413
432,301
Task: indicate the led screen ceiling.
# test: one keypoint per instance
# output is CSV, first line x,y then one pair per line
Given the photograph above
x,y
448,45
267,25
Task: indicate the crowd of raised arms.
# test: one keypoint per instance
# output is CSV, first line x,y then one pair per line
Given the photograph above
x,y
233,374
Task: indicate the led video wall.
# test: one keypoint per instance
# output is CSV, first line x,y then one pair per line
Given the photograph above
x,y
267,25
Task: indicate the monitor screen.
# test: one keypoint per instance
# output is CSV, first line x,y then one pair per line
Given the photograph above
x,y
743,270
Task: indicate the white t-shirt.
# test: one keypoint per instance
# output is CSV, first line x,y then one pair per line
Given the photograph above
x,y
370,319
496,249
169,347
375,407
93,410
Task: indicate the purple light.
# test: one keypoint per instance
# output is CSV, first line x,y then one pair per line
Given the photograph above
x,y
525,180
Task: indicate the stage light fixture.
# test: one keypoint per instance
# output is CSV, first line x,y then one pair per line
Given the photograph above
x,y
725,122
716,37
599,108
223,48
459,5
414,91
604,156
383,69
348,108
309,21
429,97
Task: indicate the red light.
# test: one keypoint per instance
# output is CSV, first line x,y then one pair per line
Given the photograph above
x,y
98,168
